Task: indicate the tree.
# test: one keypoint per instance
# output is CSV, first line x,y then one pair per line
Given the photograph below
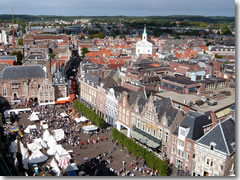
x,y
84,51
19,56
52,55
225,30
20,42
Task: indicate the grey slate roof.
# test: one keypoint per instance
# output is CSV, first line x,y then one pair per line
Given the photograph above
x,y
109,82
3,65
141,103
22,72
223,134
164,106
8,58
144,61
92,78
195,121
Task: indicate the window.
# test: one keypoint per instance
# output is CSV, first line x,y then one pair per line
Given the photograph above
x,y
178,153
166,137
120,116
173,140
182,132
188,146
154,133
173,150
133,121
187,156
4,92
207,161
148,130
211,163
138,123
211,147
193,156
160,133
143,126
180,143
33,92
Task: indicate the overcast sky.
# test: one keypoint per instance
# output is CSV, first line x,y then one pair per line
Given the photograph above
x,y
119,7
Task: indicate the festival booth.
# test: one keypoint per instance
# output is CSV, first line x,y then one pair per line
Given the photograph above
x,y
34,117
81,119
34,146
64,114
61,152
37,157
51,142
29,128
59,134
55,167
90,129
46,135
41,142
63,100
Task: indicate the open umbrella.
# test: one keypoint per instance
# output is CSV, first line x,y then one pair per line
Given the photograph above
x,y
64,162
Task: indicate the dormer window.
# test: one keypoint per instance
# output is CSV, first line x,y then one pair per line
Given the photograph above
x,y
212,145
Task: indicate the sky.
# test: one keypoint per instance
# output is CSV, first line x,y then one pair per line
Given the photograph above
x,y
119,7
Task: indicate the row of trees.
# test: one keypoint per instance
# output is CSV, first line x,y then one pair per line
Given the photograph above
x,y
89,113
151,160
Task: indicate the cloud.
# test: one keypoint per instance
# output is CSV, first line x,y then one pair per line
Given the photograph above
x,y
123,7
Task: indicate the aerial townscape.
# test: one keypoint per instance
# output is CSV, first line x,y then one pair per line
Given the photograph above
x,y
117,95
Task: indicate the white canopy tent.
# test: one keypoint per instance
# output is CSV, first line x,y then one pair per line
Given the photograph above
x,y
30,127
81,119
41,142
90,128
58,134
64,114
60,151
37,157
51,142
55,167
34,117
34,146
46,135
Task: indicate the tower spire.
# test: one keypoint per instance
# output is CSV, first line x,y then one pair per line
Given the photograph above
x,y
144,35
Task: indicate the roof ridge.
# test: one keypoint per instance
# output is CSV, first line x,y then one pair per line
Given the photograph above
x,y
220,125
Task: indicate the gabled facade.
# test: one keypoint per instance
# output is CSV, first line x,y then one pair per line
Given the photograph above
x,y
215,151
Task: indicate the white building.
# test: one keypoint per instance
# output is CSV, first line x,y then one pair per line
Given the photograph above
x,y
215,151
3,37
111,107
143,46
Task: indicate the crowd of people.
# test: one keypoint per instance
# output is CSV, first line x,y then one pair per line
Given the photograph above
x,y
99,165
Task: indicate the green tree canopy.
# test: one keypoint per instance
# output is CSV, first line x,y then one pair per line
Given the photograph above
x,y
19,56
84,51
20,42
52,55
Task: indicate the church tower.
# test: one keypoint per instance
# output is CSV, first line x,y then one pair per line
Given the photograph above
x,y
143,46
144,35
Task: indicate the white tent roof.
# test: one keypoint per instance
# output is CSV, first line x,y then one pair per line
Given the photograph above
x,y
55,167
27,130
60,151
90,128
64,114
34,146
58,134
51,142
45,126
41,142
37,157
46,135
81,119
34,117
51,151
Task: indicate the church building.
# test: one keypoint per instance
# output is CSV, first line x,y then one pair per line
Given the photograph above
x,y
143,46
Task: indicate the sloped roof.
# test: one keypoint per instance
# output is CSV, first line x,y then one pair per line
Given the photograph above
x,y
21,72
164,106
223,135
195,122
92,78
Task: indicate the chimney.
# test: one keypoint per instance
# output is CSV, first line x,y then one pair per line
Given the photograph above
x,y
214,119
